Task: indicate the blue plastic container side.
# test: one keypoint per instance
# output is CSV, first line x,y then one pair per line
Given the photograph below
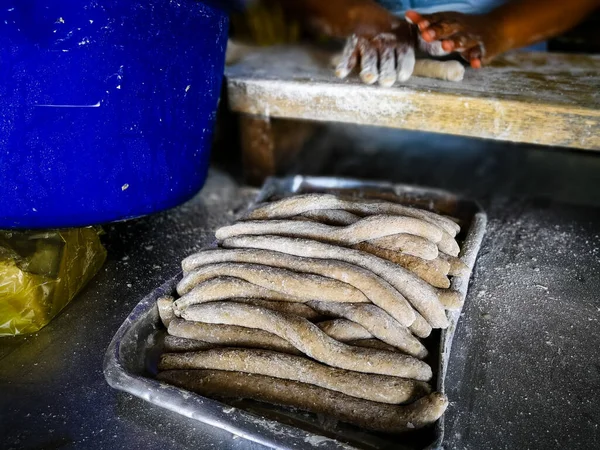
x,y
107,109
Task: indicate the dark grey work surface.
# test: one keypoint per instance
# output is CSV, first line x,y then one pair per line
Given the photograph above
x,y
525,371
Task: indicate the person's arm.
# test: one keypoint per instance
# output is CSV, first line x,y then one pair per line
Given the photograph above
x,y
515,24
381,44
342,18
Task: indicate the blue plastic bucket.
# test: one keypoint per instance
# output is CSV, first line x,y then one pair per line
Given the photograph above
x,y
107,108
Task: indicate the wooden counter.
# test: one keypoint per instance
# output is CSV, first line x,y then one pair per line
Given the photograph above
x,y
538,98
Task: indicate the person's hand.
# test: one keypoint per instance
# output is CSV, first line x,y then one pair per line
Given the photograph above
x,y
386,57
475,37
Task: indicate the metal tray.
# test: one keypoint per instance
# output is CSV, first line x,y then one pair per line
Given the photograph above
x,y
131,359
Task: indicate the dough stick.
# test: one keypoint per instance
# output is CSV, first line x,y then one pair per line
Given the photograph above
x,y
364,413
344,330
301,285
433,272
310,340
378,388
224,288
449,245
230,336
179,344
383,225
298,204
421,295
442,70
192,336
416,245
457,267
372,343
233,289
364,230
165,309
353,334
420,327
330,216
377,290
405,243
299,309
377,322
450,299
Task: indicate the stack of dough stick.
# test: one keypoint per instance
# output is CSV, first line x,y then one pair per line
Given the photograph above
x,y
318,302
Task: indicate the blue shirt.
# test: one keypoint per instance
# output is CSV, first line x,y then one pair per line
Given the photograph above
x,y
431,6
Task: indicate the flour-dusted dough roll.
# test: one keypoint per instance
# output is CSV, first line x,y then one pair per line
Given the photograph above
x,y
310,340
457,267
378,388
337,217
442,70
230,336
352,333
434,272
176,344
298,309
451,299
344,330
376,289
299,204
366,229
420,294
377,322
420,327
165,309
364,413
372,343
225,288
301,285
406,244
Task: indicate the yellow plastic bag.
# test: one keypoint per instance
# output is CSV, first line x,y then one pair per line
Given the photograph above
x,y
41,272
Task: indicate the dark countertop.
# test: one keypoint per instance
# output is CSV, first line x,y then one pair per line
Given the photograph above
x,y
524,373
